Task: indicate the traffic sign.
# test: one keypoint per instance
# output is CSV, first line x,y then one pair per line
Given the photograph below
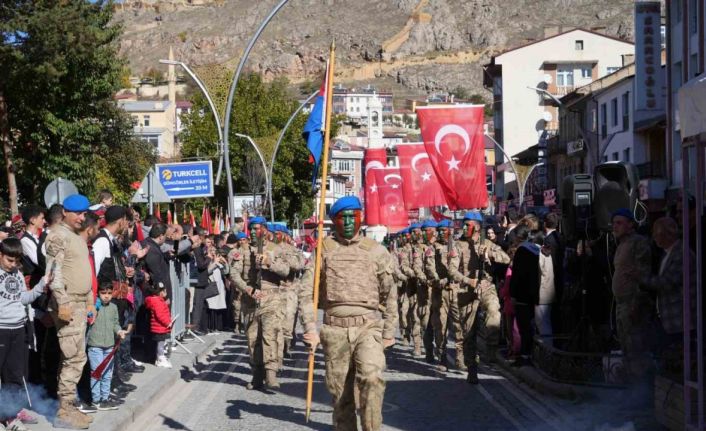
x,y
186,179
58,190
150,190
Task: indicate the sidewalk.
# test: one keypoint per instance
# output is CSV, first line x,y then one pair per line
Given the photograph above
x,y
149,384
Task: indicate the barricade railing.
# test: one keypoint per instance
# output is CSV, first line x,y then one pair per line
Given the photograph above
x,y
179,308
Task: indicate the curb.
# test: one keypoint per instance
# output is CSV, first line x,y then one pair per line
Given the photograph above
x,y
153,391
537,381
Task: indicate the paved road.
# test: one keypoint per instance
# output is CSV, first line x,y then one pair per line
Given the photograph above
x,y
213,397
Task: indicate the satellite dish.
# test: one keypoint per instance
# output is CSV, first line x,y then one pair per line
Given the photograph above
x,y
58,190
547,78
547,116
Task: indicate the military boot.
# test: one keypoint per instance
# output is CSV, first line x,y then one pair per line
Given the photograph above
x,y
271,379
472,378
257,376
443,365
460,362
69,417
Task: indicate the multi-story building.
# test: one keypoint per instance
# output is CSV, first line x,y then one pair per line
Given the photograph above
x,y
353,103
527,79
154,122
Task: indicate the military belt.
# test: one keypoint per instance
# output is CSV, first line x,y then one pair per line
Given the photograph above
x,y
352,321
76,297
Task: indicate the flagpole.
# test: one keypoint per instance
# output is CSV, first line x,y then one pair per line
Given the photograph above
x,y
322,211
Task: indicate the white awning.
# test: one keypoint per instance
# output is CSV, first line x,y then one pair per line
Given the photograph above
x,y
692,107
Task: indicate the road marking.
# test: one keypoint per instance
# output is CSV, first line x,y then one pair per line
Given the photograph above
x,y
503,411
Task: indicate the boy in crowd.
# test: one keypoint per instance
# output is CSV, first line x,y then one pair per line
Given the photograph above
x,y
101,341
14,298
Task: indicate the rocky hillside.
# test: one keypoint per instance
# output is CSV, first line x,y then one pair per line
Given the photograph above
x,y
412,46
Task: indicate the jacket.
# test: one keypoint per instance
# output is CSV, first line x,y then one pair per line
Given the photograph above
x,y
160,316
104,329
202,263
525,281
157,265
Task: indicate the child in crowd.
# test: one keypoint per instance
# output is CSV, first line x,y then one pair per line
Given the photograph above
x,y
160,321
101,341
14,349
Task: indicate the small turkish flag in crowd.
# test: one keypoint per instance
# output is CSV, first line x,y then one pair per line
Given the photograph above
x,y
419,182
393,213
453,138
375,158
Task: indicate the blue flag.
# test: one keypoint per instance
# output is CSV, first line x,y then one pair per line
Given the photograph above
x,y
314,129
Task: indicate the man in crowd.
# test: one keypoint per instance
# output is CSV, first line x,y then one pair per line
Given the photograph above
x,y
155,261
425,250
358,296
404,255
33,263
633,308
67,256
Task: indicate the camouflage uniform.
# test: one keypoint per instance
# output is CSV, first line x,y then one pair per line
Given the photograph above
x,y
486,298
442,269
633,308
358,296
243,275
424,309
71,295
295,260
405,258
402,300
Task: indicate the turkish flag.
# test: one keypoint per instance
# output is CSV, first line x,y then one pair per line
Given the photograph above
x,y
390,198
420,185
375,158
453,138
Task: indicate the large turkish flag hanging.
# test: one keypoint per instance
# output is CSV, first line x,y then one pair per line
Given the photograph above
x,y
375,158
419,182
391,200
453,138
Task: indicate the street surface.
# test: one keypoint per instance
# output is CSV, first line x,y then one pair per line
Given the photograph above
x,y
213,397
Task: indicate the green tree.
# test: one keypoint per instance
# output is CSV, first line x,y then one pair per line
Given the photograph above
x,y
60,69
261,111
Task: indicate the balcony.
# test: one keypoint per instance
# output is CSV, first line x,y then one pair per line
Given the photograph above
x,y
564,90
652,169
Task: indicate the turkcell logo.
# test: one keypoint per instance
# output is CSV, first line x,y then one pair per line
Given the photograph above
x,y
187,179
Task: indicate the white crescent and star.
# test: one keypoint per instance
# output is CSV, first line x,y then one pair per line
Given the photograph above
x,y
394,185
417,158
452,129
373,164
426,176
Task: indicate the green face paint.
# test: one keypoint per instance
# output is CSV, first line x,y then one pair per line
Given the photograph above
x,y
348,223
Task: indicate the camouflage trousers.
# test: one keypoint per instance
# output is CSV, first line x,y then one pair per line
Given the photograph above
x,y
402,308
263,325
237,302
484,298
355,362
288,315
632,317
445,302
72,345
424,311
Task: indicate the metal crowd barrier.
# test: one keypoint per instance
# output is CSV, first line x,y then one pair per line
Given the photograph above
x,y
180,312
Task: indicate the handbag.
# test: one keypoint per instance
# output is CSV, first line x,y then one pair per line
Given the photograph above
x,y
121,288
211,290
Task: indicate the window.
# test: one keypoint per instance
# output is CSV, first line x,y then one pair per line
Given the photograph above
x,y
693,17
151,139
146,120
676,75
694,65
663,35
605,159
612,69
626,155
565,78
586,72
604,120
594,120
579,45
615,156
342,165
614,111
677,11
626,110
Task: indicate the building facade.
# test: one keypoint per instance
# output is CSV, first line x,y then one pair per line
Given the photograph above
x,y
353,103
154,122
525,80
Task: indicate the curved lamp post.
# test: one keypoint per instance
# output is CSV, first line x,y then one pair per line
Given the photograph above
x,y
231,95
520,184
268,178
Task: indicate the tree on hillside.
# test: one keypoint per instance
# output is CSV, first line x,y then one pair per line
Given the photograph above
x,y
60,69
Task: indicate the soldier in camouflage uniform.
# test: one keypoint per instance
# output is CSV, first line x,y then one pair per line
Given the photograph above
x,y
477,277
71,303
442,269
358,296
404,256
401,282
296,262
264,323
424,251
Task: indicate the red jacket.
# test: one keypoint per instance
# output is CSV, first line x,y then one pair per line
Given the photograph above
x,y
160,317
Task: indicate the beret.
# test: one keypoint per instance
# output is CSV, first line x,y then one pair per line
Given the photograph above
x,y
115,213
257,220
429,223
345,203
445,224
473,215
240,235
415,226
623,212
76,203
403,231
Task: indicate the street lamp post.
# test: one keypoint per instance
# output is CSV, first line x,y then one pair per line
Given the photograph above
x,y
520,182
222,151
268,178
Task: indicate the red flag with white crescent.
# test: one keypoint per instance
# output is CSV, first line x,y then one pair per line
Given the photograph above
x,y
375,158
453,138
393,213
420,185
